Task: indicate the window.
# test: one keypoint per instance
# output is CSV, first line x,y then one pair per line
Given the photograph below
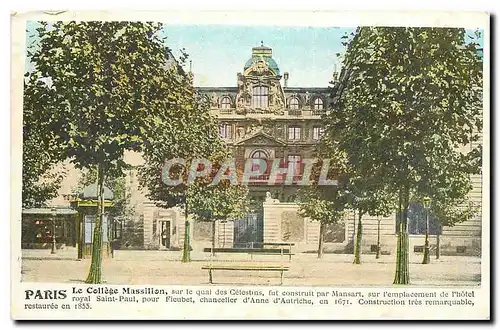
x,y
259,154
260,97
317,132
294,133
225,131
225,103
417,221
318,104
294,162
293,103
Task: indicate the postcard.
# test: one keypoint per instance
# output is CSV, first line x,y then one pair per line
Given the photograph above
x,y
250,165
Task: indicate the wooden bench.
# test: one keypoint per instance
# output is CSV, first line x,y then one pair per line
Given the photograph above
x,y
280,248
253,267
277,253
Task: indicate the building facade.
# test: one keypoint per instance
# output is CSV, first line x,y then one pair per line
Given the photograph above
x,y
261,117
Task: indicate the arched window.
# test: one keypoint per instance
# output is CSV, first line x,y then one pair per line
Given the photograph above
x,y
259,154
225,103
318,104
293,103
260,97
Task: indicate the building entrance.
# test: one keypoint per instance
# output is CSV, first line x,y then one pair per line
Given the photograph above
x,y
249,230
164,234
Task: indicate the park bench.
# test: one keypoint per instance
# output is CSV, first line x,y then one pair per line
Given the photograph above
x,y
252,267
280,250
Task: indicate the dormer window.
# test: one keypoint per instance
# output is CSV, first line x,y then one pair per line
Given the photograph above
x,y
225,103
318,104
260,97
293,104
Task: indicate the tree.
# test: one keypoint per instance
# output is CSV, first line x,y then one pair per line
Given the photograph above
x,y
368,197
406,94
323,204
198,139
211,203
121,213
41,150
360,191
111,89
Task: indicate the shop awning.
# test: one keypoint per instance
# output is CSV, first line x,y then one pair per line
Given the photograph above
x,y
49,211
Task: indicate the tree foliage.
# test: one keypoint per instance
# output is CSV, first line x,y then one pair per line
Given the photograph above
x,y
41,150
111,89
409,100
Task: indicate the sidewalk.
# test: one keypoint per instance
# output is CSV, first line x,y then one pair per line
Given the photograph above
x,y
165,267
70,253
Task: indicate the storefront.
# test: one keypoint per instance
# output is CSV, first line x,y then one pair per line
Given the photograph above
x,y
41,225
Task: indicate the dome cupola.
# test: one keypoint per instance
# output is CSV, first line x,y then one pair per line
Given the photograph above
x,y
262,61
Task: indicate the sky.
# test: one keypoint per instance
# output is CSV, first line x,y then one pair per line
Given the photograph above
x,y
219,52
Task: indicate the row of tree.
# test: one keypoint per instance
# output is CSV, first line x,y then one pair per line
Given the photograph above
x,y
406,126
408,100
98,89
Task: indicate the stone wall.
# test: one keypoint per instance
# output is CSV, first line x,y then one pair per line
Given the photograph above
x,y
282,223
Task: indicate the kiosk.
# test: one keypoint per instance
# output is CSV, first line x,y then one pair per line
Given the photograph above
x,y
86,205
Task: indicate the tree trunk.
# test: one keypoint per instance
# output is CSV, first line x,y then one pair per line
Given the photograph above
x,y
426,259
321,239
213,238
353,230
402,275
95,272
377,256
357,244
438,245
186,253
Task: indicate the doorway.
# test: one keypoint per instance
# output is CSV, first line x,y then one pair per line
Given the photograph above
x,y
249,230
164,234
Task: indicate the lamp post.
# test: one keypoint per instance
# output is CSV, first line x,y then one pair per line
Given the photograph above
x,y
427,203
53,213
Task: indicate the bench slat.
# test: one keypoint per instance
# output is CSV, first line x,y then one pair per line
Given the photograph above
x,y
279,268
259,269
273,253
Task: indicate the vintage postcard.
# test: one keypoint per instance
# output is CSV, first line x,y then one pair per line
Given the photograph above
x,y
250,165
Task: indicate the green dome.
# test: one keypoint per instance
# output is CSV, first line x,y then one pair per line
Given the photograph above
x,y
269,60
265,54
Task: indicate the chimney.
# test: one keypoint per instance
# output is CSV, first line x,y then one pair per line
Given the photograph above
x,y
286,75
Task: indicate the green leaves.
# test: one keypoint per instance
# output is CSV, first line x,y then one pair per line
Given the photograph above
x,y
410,101
109,83
219,202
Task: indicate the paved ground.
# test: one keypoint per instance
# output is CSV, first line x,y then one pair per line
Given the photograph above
x,y
164,267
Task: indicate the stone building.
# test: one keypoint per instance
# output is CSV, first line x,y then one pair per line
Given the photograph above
x,y
261,117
